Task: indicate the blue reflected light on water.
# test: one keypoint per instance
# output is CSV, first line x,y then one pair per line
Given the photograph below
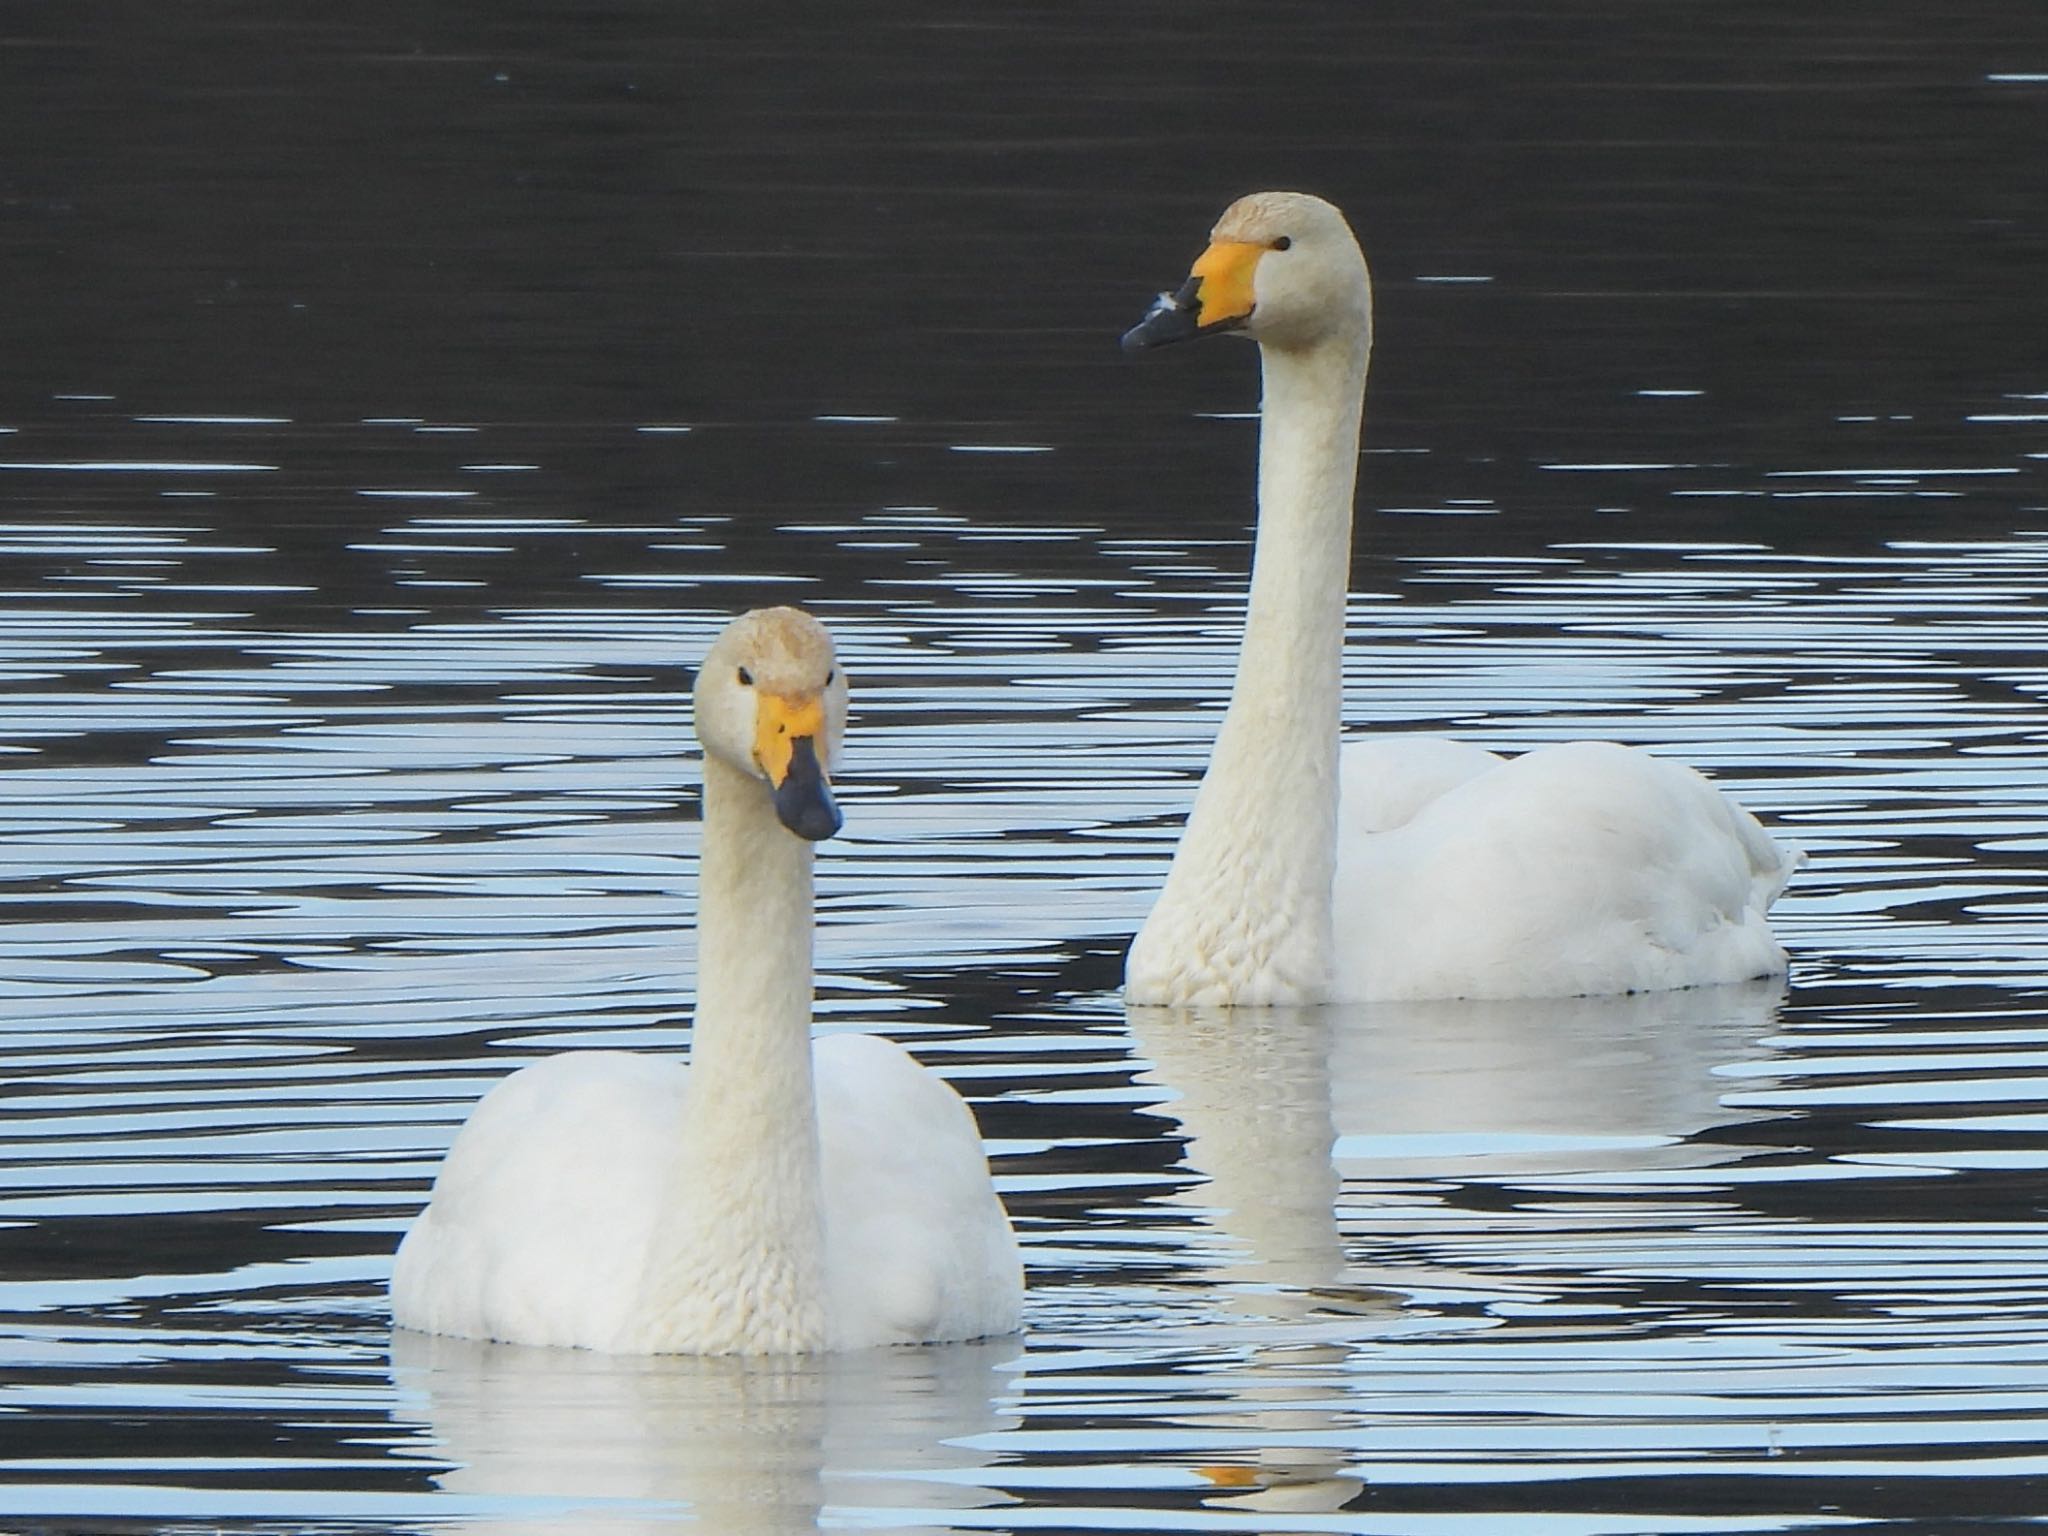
x,y
283,900
394,408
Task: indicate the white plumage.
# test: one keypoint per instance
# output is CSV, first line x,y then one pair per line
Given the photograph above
x,y
543,1219
776,1196
1580,868
1408,867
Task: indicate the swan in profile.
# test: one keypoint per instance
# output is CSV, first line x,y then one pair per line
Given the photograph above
x,y
1404,867
775,1197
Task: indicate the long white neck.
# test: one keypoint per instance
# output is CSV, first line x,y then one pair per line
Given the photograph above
x,y
1245,914
742,1267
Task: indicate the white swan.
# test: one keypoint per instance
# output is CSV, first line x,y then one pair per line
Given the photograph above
x,y
1404,867
776,1197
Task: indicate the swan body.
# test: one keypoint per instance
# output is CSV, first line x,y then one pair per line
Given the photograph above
x,y
1575,869
543,1219
1311,872
775,1196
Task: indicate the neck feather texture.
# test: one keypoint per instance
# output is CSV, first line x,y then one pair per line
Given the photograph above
x,y
743,1267
1245,914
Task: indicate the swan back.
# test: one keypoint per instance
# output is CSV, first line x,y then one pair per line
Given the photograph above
x,y
917,1245
1387,781
1581,868
538,1229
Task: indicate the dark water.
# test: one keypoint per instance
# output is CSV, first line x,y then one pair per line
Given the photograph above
x,y
392,407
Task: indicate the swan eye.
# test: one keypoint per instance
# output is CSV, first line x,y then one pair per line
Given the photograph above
x,y
831,676
746,678
1283,243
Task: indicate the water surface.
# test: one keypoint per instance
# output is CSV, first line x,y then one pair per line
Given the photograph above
x,y
394,418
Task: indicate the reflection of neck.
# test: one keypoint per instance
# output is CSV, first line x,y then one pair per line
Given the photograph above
x,y
1254,1099
1262,833
744,1267
755,1446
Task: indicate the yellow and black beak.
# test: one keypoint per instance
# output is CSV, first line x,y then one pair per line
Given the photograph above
x,y
786,732
1217,296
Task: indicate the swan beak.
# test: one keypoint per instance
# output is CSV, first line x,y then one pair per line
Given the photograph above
x,y
786,733
1218,296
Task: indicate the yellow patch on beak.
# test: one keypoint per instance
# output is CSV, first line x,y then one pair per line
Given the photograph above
x,y
1226,272
1230,1477
779,722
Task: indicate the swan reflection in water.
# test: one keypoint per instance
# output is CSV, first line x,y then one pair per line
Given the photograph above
x,y
1541,1085
1282,1107
578,1441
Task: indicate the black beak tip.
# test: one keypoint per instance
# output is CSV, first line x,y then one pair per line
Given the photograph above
x,y
803,800
814,819
1172,317
1137,340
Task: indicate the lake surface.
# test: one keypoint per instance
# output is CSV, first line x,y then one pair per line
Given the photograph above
x,y
393,408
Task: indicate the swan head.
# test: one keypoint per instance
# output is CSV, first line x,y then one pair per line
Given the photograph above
x,y
1282,268
770,702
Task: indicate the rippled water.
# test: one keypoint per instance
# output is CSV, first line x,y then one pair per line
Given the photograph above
x,y
344,762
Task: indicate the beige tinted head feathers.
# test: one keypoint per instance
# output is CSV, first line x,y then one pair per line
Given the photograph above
x,y
1282,268
770,702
